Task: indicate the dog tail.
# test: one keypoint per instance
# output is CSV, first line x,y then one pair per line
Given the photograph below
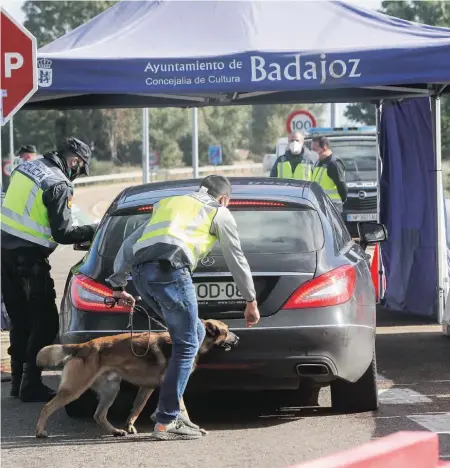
x,y
55,355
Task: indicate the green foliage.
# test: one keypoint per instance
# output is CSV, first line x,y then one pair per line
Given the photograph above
x,y
115,135
48,20
434,13
268,123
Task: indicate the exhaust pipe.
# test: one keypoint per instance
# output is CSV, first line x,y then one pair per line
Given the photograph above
x,y
312,370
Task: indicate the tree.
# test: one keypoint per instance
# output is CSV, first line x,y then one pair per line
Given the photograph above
x,y
227,126
48,20
434,13
121,127
268,123
167,127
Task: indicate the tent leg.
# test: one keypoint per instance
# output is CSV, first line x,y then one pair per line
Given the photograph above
x,y
380,261
145,146
441,248
195,143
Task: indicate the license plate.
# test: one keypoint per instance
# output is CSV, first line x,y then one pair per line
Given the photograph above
x,y
362,217
217,292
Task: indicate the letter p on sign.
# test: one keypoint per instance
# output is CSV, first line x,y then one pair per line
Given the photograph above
x,y
13,61
18,63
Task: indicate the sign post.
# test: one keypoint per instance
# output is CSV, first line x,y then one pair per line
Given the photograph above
x,y
18,76
215,155
153,162
300,121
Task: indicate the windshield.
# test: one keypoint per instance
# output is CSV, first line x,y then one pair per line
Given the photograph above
x,y
360,159
273,231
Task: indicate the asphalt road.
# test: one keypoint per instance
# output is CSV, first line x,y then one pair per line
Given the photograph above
x,y
414,367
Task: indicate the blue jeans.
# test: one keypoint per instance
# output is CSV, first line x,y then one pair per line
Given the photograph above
x,y
174,292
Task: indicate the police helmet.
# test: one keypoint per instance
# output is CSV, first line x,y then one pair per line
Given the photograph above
x,y
82,150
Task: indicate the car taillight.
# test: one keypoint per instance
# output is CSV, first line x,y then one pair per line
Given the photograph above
x,y
332,288
89,295
256,203
145,209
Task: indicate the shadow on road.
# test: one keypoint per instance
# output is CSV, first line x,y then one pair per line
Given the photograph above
x,y
218,411
390,318
415,364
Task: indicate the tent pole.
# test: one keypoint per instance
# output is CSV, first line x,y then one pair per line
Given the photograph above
x,y
441,252
195,170
378,166
145,146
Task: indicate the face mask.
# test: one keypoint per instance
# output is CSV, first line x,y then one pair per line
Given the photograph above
x,y
295,147
74,172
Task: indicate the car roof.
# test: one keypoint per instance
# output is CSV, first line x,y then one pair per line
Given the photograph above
x,y
348,135
248,187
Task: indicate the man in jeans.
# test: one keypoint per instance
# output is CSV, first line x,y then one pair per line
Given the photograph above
x,y
162,254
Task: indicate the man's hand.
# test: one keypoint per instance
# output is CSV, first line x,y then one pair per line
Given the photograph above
x,y
251,314
125,299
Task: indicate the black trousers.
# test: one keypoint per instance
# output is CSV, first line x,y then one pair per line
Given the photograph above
x,y
29,296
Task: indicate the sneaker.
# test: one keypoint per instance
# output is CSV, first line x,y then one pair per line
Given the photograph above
x,y
176,430
181,417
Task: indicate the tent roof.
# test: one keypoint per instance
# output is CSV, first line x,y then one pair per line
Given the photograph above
x,y
194,53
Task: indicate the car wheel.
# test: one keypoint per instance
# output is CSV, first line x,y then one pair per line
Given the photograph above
x,y
359,396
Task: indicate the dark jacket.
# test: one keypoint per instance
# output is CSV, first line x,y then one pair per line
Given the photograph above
x,y
294,160
58,201
336,172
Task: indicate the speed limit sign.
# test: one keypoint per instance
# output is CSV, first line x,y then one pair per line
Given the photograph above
x,y
300,121
8,167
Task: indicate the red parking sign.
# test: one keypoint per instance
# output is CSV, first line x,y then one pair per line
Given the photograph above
x,y
18,78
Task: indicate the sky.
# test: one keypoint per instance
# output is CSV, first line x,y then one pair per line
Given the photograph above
x,y
13,7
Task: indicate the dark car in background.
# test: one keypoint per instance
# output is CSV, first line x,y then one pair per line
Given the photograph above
x,y
357,148
313,284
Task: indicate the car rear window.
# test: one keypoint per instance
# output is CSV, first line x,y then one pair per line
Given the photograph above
x,y
265,231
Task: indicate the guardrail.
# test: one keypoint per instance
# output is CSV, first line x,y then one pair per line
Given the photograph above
x,y
171,174
418,449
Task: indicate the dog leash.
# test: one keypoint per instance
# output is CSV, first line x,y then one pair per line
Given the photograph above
x,y
111,301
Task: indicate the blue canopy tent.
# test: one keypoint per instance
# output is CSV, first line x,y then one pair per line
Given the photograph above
x,y
193,54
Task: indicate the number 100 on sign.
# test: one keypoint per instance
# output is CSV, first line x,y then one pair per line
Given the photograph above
x,y
300,121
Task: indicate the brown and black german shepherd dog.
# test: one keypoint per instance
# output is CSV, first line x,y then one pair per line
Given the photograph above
x,y
102,363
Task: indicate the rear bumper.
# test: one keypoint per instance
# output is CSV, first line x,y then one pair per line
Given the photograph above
x,y
269,354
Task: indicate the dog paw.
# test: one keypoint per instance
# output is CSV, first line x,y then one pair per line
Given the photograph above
x,y
119,433
42,435
131,429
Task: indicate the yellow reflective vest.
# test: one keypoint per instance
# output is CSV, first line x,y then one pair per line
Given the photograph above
x,y
183,221
23,213
302,171
320,176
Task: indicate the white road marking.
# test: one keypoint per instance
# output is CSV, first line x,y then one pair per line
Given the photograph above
x,y
402,396
438,423
99,209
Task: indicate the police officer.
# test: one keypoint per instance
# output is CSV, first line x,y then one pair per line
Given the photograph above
x,y
296,162
36,217
26,153
161,255
329,172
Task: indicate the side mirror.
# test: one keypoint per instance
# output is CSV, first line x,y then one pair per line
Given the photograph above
x,y
371,233
84,246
